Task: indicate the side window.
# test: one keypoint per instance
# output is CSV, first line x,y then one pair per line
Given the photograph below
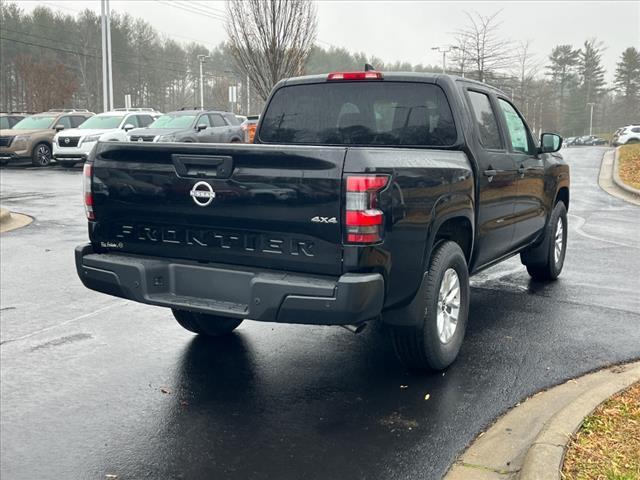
x,y
66,121
517,128
77,121
486,120
231,119
145,120
203,120
217,120
636,130
133,120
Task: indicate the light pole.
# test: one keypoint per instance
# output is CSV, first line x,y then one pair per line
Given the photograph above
x,y
107,73
591,104
444,51
201,59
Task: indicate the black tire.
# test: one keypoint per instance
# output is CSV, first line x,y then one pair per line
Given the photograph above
x,y
204,324
541,262
41,155
421,347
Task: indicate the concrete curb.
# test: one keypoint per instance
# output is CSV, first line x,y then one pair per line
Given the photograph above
x,y
5,215
545,457
529,441
11,221
616,176
607,183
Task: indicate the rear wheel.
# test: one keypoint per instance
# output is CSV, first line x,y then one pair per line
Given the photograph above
x,y
545,261
41,156
204,324
435,342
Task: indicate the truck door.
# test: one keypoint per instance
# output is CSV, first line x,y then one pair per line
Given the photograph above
x,y
530,211
497,183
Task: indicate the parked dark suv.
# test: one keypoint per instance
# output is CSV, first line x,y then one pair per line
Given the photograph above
x,y
205,126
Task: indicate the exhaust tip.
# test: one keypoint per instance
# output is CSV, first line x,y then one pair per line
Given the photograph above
x,y
355,329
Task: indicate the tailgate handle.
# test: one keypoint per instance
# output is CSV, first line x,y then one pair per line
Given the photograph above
x,y
202,166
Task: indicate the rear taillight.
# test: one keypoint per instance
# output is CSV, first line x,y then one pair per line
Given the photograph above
x,y
86,190
369,75
364,222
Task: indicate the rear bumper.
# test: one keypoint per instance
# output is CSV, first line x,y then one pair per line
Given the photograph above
x,y
231,291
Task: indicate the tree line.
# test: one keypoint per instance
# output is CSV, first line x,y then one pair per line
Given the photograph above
x,y
53,60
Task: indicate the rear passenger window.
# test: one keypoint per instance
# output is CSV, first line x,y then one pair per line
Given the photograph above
x,y
144,120
517,128
486,120
217,121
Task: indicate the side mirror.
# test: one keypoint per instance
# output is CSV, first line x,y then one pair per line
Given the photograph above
x,y
59,127
550,142
201,127
128,127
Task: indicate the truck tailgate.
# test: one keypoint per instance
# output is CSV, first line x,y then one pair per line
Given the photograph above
x,y
267,206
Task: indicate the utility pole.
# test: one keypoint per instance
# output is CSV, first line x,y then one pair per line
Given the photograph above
x,y
109,64
201,59
591,104
248,94
444,51
107,70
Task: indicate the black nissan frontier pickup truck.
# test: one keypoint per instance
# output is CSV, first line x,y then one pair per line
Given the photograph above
x,y
365,196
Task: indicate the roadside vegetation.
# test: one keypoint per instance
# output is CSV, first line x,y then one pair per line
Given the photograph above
x,y
629,167
607,446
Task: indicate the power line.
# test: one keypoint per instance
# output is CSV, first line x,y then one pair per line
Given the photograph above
x,y
191,9
151,66
127,55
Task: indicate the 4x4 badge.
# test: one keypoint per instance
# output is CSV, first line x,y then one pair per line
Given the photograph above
x,y
202,194
317,219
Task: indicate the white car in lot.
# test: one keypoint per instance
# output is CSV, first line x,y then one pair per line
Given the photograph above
x,y
628,134
71,146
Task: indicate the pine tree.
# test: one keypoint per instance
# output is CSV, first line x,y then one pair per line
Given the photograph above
x,y
627,82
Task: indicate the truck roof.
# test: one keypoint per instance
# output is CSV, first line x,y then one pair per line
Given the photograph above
x,y
397,77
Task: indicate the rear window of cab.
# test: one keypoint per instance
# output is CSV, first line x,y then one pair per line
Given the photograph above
x,y
367,113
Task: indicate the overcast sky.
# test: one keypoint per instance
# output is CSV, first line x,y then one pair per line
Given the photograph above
x,y
406,31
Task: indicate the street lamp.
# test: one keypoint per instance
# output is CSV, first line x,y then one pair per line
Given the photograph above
x,y
591,104
444,51
201,59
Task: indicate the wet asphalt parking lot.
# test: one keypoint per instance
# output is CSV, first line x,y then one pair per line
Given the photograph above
x,y
93,385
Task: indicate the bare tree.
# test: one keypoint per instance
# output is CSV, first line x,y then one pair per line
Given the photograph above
x,y
527,68
486,51
270,39
47,83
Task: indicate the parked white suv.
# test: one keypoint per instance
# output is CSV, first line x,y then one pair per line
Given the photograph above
x,y
74,145
628,134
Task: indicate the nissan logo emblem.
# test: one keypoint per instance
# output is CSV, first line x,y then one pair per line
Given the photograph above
x,y
202,194
66,140
141,139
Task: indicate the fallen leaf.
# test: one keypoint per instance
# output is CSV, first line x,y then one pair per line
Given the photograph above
x,y
166,390
184,403
427,396
111,476
404,386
